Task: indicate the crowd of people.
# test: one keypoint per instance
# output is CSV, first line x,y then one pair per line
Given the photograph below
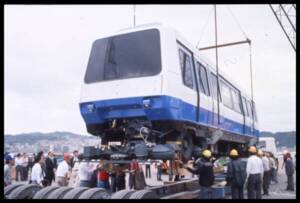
x,y
256,174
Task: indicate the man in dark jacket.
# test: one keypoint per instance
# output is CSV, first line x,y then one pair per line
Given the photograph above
x,y
50,167
289,171
204,169
236,175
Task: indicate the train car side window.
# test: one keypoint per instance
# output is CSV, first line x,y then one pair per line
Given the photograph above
x,y
186,68
226,95
249,108
236,100
245,107
203,78
214,86
199,78
254,112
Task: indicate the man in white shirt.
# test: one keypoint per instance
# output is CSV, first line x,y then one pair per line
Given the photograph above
x,y
63,171
37,173
84,174
18,163
266,176
254,171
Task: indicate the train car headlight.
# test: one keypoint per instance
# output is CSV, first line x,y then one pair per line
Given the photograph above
x,y
90,107
146,103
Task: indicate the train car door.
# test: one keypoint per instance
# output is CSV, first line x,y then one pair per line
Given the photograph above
x,y
214,93
205,104
248,117
191,97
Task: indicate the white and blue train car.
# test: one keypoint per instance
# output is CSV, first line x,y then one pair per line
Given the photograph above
x,y
150,79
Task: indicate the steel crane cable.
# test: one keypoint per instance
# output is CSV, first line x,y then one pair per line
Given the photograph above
x,y
204,27
237,22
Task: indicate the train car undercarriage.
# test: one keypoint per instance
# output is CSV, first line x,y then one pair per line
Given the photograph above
x,y
121,139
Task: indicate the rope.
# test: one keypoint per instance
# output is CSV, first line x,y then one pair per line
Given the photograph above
x,y
204,27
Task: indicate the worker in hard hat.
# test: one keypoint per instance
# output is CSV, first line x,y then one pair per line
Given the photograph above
x,y
255,172
236,175
204,169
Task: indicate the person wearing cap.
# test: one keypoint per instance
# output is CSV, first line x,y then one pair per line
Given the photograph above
x,y
236,175
289,170
255,170
9,162
204,169
63,171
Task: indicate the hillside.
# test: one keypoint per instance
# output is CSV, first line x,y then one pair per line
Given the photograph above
x,y
32,138
285,139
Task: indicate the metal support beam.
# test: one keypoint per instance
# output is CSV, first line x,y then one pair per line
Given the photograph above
x,y
217,67
227,44
283,27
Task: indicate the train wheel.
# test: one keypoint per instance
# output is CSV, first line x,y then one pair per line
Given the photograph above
x,y
25,191
143,194
8,189
94,193
59,193
122,194
43,193
75,193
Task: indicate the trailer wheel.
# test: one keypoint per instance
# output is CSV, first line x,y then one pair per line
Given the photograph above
x,y
25,191
94,193
144,194
8,189
59,193
75,193
45,192
122,194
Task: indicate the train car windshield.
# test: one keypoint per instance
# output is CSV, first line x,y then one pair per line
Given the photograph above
x,y
124,56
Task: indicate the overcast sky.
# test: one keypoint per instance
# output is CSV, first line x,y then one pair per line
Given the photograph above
x,y
47,49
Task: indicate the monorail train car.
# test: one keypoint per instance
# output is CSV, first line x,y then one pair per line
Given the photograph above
x,y
153,92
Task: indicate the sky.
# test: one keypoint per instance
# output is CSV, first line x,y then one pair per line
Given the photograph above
x,y
46,50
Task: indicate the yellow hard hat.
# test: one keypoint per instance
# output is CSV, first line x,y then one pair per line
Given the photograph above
x,y
206,153
233,152
252,149
260,153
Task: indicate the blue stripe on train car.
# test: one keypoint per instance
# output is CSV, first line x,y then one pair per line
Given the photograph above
x,y
160,108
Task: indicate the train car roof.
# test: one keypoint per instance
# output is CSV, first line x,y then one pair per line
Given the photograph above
x,y
201,56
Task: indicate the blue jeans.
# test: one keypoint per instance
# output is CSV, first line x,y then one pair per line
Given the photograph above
x,y
205,192
103,184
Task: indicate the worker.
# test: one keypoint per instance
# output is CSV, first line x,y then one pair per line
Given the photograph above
x,y
266,175
85,171
63,171
236,175
254,171
274,167
113,176
9,162
289,170
120,179
148,168
103,177
204,168
37,173
134,168
158,165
